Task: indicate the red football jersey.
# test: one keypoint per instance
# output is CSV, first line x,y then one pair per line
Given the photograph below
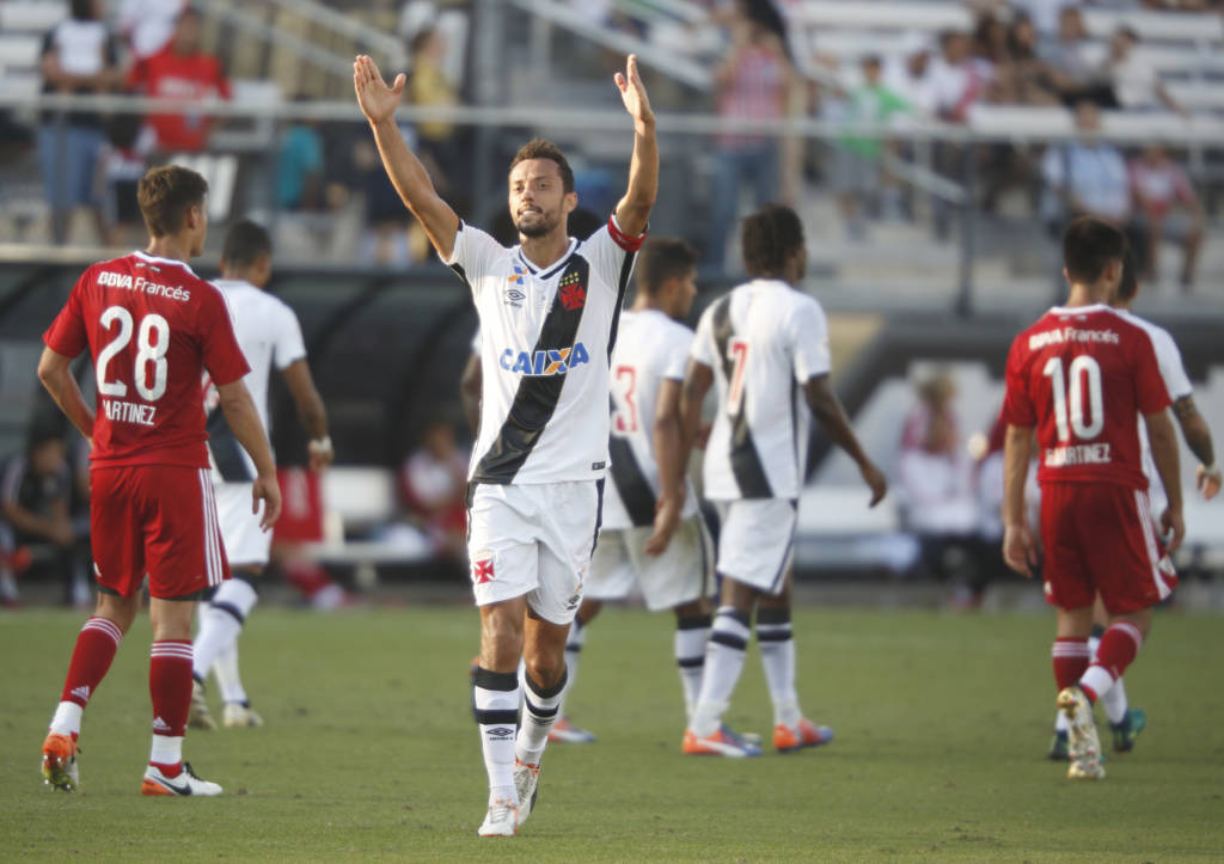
x,y
167,75
1081,376
152,327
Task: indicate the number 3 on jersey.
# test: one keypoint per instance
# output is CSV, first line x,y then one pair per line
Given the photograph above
x,y
153,341
625,421
1069,397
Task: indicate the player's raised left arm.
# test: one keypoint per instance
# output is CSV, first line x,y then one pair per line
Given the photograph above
x,y
633,211
55,373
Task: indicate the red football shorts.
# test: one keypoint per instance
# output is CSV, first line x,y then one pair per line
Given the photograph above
x,y
158,520
1101,537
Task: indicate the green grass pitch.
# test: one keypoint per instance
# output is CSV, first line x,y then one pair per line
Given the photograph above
x,y
370,754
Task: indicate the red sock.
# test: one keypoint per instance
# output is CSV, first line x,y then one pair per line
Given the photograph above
x,y
96,645
170,686
1071,657
1118,649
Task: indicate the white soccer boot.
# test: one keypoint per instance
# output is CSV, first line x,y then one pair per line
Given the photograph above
x,y
501,820
200,717
1084,747
527,784
186,784
235,715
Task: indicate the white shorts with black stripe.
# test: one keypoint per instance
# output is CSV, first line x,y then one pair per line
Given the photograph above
x,y
682,574
246,544
534,540
756,546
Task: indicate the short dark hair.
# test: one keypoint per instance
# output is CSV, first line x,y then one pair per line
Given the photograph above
x,y
542,148
1089,245
769,238
663,258
1128,288
166,194
245,243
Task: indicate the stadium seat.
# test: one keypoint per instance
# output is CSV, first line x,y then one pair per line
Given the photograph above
x,y
31,16
1155,26
19,51
926,16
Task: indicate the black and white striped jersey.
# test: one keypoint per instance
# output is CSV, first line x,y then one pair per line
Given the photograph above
x,y
546,338
763,340
270,337
650,348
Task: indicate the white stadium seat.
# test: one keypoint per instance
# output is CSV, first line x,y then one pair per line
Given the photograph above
x,y
1158,26
31,16
883,15
19,51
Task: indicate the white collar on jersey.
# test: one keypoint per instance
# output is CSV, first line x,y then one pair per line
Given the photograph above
x,y
230,284
153,259
552,268
1081,310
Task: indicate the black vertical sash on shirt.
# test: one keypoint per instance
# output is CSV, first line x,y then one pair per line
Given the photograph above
x,y
746,464
536,399
631,484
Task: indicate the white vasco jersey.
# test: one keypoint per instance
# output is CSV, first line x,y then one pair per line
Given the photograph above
x,y
545,340
1177,382
764,340
650,348
270,336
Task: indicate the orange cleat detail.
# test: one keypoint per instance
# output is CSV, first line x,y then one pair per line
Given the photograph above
x,y
148,787
805,734
59,762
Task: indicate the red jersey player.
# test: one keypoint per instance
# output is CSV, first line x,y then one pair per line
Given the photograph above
x,y
1078,376
153,328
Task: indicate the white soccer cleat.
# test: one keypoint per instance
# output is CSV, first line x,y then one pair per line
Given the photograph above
x,y
527,784
235,715
186,784
501,820
1084,747
200,717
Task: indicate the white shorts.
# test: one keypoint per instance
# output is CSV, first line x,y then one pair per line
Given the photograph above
x,y
246,544
683,573
534,540
757,543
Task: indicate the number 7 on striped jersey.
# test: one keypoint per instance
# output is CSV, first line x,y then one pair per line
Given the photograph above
x,y
737,353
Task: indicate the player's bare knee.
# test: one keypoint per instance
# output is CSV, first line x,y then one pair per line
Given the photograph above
x,y
501,639
738,595
589,609
545,669
120,611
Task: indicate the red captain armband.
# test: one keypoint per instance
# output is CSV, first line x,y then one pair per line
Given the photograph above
x,y
625,241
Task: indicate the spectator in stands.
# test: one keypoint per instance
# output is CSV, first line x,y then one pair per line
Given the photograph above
x,y
908,75
184,72
1089,175
1024,79
1136,83
955,80
148,25
1168,210
78,58
36,490
753,84
1046,15
434,483
428,87
990,49
123,164
299,166
859,171
1077,68
935,487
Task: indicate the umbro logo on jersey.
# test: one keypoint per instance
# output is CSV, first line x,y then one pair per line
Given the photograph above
x,y
514,297
542,364
81,692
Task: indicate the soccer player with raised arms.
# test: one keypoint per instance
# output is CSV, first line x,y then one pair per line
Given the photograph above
x,y
767,345
1079,377
548,312
153,329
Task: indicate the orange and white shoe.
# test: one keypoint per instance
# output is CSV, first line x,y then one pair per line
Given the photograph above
x,y
59,762
185,784
805,734
502,820
565,732
527,785
724,742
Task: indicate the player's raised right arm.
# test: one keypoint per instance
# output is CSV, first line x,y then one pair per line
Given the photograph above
x,y
244,421
55,373
409,177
